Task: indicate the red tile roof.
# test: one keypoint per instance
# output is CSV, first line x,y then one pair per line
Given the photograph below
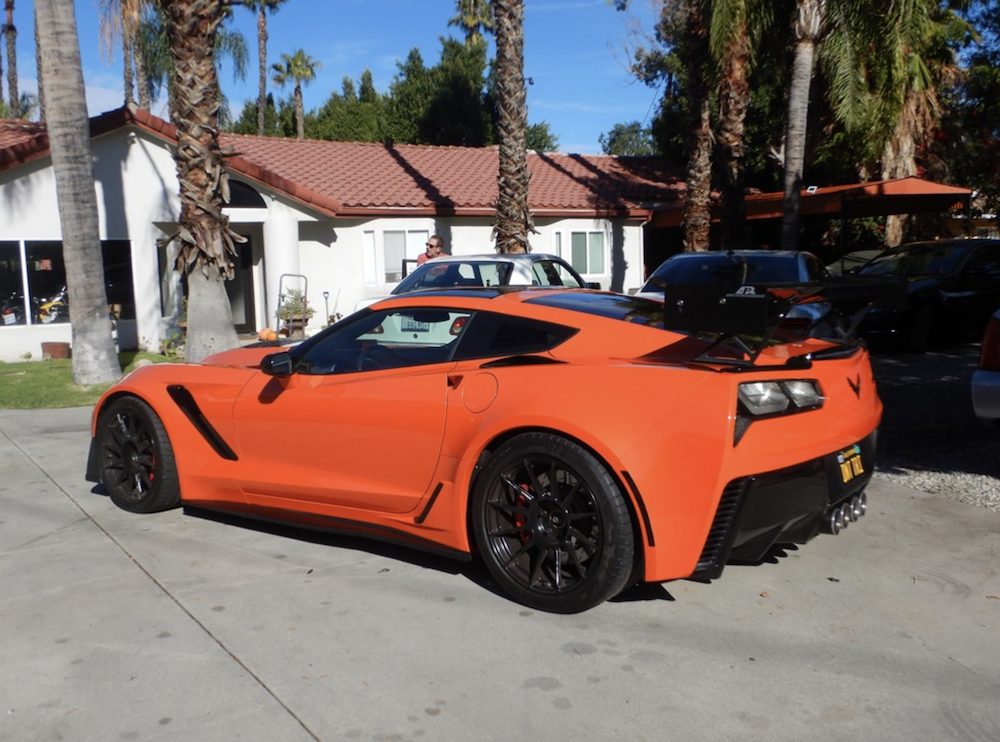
x,y
356,179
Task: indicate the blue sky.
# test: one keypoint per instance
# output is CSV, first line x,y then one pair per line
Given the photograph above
x,y
575,53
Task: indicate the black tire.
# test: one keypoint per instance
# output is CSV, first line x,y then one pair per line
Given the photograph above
x,y
135,459
562,549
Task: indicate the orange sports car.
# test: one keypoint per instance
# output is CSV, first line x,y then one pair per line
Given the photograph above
x,y
564,437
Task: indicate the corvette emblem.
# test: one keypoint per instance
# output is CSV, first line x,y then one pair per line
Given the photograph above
x,y
855,386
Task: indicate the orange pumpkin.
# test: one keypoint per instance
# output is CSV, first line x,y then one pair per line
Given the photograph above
x,y
267,334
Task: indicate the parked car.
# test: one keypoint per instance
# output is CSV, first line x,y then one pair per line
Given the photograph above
x,y
529,269
516,426
736,270
952,287
986,379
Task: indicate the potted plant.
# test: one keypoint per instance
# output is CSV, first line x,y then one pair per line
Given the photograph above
x,y
295,311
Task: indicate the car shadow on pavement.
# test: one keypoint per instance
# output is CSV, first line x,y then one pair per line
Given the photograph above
x,y
370,545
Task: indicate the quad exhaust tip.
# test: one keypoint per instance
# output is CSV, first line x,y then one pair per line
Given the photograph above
x,y
850,512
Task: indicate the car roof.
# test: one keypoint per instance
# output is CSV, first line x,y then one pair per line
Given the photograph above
x,y
704,254
530,257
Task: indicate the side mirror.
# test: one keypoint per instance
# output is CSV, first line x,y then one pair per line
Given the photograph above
x,y
277,364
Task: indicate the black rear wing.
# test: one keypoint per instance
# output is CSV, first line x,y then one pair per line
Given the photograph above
x,y
747,320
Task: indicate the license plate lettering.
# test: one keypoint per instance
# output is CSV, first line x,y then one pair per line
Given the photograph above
x,y
851,464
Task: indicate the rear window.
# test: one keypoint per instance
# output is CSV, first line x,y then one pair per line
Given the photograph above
x,y
634,309
723,270
436,275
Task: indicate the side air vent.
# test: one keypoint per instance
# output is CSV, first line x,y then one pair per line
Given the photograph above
x,y
720,536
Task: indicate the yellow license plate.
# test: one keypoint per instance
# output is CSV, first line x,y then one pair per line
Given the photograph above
x,y
851,463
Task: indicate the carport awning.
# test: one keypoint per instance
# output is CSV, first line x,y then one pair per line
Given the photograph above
x,y
879,198
911,195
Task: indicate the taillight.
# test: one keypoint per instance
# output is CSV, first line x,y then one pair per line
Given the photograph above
x,y
457,325
989,353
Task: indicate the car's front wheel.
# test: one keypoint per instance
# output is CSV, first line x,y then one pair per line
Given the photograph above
x,y
135,458
552,524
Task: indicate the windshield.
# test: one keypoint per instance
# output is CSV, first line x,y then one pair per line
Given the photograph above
x,y
912,261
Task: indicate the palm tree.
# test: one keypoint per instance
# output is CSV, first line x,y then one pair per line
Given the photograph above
x,y
10,35
474,17
735,29
94,358
301,68
205,242
694,50
808,26
123,18
513,220
153,49
262,6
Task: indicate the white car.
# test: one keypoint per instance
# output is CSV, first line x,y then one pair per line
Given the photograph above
x,y
529,269
986,380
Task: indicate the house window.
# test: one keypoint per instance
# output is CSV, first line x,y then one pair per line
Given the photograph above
x,y
39,267
587,252
399,252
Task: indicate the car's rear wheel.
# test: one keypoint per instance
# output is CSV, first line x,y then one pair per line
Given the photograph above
x,y
136,461
552,524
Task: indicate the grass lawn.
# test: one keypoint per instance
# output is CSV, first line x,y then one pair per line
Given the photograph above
x,y
36,385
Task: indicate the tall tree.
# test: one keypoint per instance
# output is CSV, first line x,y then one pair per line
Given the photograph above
x,y
513,218
121,20
94,358
808,25
10,36
262,7
474,17
298,68
629,139
205,242
735,28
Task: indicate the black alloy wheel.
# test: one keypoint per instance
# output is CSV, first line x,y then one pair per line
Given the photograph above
x,y
552,525
136,460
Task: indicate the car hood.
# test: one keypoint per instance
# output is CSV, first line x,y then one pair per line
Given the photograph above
x,y
248,356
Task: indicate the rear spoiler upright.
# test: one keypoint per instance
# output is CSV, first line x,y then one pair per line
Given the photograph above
x,y
748,318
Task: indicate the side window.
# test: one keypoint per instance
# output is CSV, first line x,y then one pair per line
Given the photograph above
x,y
398,338
497,335
551,273
984,260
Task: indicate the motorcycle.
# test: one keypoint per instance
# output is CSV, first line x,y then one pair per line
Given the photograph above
x,y
50,310
12,309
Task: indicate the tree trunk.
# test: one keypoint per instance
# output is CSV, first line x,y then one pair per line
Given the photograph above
x,y
10,33
734,100
38,71
94,358
127,57
141,78
205,240
697,219
262,55
513,219
810,17
300,113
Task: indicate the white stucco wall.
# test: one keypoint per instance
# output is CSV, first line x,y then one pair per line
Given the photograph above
x,y
137,189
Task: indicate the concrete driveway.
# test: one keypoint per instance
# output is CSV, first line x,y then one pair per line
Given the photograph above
x,y
178,627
